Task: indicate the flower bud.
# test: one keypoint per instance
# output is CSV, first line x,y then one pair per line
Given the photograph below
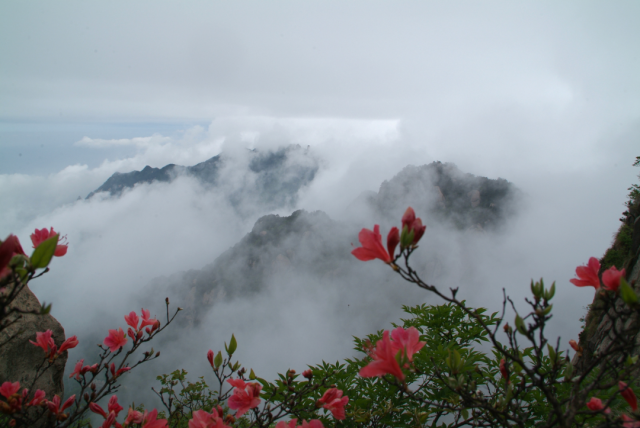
x,y
307,374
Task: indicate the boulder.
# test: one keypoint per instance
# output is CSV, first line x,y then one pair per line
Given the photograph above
x,y
19,358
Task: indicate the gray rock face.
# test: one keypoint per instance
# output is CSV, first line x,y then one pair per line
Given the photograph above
x,y
19,358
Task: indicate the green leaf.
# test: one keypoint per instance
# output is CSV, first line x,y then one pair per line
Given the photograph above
x,y
626,292
45,309
43,253
520,325
218,360
252,375
233,345
548,295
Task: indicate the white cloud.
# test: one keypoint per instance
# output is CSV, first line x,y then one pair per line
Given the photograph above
x,y
141,142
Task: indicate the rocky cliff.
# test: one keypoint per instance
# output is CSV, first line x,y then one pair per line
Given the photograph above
x,y
624,253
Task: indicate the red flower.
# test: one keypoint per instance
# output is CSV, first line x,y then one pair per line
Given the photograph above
x,y
407,341
384,360
42,235
210,357
8,389
503,369
611,278
372,245
627,394
45,341
588,275
115,340
595,405
410,221
308,374
333,401
9,248
246,396
70,343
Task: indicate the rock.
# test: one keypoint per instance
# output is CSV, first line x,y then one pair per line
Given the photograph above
x,y
19,358
474,197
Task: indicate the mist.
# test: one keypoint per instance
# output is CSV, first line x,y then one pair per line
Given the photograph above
x,y
542,95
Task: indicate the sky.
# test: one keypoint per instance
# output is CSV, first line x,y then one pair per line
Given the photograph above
x,y
545,95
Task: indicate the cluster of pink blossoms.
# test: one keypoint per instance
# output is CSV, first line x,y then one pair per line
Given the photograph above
x,y
17,401
45,341
392,354
371,241
588,276
117,338
313,423
146,419
245,396
595,404
215,419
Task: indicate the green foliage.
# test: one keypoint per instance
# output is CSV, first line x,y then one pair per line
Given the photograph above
x,y
620,251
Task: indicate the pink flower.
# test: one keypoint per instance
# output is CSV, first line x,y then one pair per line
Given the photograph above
x,y
133,417
45,341
132,319
115,373
109,420
313,423
611,278
410,221
595,405
113,405
407,341
588,275
384,360
8,389
372,245
283,424
628,395
42,235
202,419
149,420
246,396
503,370
146,320
630,422
70,343
210,357
38,398
95,408
77,371
54,405
333,401
115,340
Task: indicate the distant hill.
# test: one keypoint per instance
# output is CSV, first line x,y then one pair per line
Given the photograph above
x,y
270,179
444,194
317,248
